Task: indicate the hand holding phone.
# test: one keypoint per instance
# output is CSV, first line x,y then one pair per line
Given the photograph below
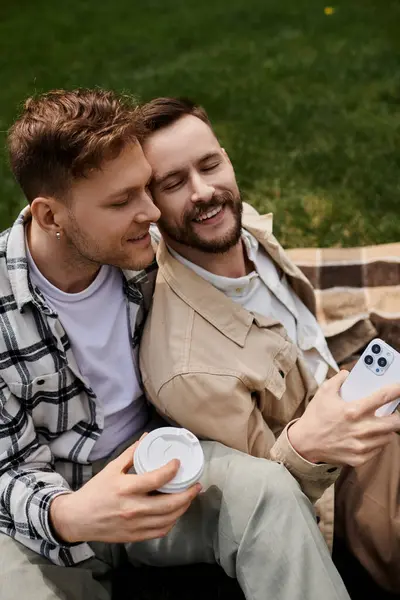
x,y
353,431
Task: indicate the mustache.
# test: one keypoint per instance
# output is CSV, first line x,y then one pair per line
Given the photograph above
x,y
216,201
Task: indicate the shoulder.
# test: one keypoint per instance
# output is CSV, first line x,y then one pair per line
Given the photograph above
x,y
166,332
4,239
5,286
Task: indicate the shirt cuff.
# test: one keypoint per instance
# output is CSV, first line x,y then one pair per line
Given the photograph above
x,y
301,468
39,515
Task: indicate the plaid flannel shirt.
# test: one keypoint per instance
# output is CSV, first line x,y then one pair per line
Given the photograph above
x,y
49,416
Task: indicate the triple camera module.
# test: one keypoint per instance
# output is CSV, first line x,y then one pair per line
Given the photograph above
x,y
379,359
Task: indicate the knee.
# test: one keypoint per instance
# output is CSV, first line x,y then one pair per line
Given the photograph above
x,y
263,481
261,495
272,480
248,479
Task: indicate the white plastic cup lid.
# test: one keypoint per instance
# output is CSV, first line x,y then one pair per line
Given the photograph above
x,y
163,445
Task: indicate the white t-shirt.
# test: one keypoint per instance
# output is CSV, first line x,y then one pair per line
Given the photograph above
x,y
97,325
263,292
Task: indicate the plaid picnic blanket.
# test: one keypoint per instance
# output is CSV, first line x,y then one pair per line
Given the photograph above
x,y
357,293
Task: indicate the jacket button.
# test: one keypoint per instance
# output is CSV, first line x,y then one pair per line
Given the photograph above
x,y
281,373
40,381
332,470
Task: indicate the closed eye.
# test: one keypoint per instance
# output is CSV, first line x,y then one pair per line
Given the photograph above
x,y
174,185
211,167
120,204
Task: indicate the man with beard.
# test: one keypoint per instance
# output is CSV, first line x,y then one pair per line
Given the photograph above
x,y
239,352
71,404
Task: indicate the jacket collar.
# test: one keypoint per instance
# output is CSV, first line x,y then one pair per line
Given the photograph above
x,y
261,227
228,317
17,263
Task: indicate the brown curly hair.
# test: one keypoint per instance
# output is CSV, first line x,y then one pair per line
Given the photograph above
x,y
62,135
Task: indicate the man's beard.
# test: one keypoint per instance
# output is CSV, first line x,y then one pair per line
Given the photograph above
x,y
187,236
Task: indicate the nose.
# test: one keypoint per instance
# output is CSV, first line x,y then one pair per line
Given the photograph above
x,y
201,190
148,212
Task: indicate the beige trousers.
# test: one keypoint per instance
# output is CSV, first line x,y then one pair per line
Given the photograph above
x,y
252,519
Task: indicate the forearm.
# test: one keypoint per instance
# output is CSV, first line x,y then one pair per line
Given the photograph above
x,y
305,442
313,478
64,519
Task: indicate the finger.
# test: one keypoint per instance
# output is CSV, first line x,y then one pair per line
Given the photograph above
x,y
382,425
335,383
142,535
367,457
379,398
161,521
165,504
153,480
378,441
155,526
393,421
124,461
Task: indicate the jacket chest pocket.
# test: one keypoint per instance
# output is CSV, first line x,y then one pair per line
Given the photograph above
x,y
44,398
281,366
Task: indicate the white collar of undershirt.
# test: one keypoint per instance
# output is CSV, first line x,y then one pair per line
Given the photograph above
x,y
53,292
228,285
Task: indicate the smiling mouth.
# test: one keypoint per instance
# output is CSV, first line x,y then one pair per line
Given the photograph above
x,y
139,237
208,215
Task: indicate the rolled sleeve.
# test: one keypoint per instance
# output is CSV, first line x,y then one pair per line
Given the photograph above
x,y
39,514
314,478
29,494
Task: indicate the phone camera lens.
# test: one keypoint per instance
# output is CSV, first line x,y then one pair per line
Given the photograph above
x,y
369,360
376,349
382,362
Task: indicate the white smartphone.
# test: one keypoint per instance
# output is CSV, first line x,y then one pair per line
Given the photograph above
x,y
378,366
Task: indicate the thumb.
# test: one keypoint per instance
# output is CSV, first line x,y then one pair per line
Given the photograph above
x,y
124,461
153,480
336,382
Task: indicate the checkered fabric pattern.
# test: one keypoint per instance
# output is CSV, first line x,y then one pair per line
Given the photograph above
x,y
49,416
356,289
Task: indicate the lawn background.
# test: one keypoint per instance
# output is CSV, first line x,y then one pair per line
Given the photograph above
x,y
307,104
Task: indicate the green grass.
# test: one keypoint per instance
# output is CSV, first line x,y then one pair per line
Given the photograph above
x,y
307,105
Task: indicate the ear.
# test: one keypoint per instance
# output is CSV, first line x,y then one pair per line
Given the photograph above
x,y
48,214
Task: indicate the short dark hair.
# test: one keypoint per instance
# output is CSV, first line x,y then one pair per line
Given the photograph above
x,y
62,135
161,112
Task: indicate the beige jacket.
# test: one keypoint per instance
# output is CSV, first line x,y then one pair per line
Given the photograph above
x,y
228,375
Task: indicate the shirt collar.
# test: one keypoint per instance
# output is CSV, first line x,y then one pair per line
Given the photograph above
x,y
17,265
251,245
227,285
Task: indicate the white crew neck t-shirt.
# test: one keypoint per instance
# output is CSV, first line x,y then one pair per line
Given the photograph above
x,y
97,325
263,292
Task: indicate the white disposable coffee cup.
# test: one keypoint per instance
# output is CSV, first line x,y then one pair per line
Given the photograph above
x,y
164,444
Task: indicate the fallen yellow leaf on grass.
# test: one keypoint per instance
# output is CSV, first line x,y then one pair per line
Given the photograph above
x,y
329,10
